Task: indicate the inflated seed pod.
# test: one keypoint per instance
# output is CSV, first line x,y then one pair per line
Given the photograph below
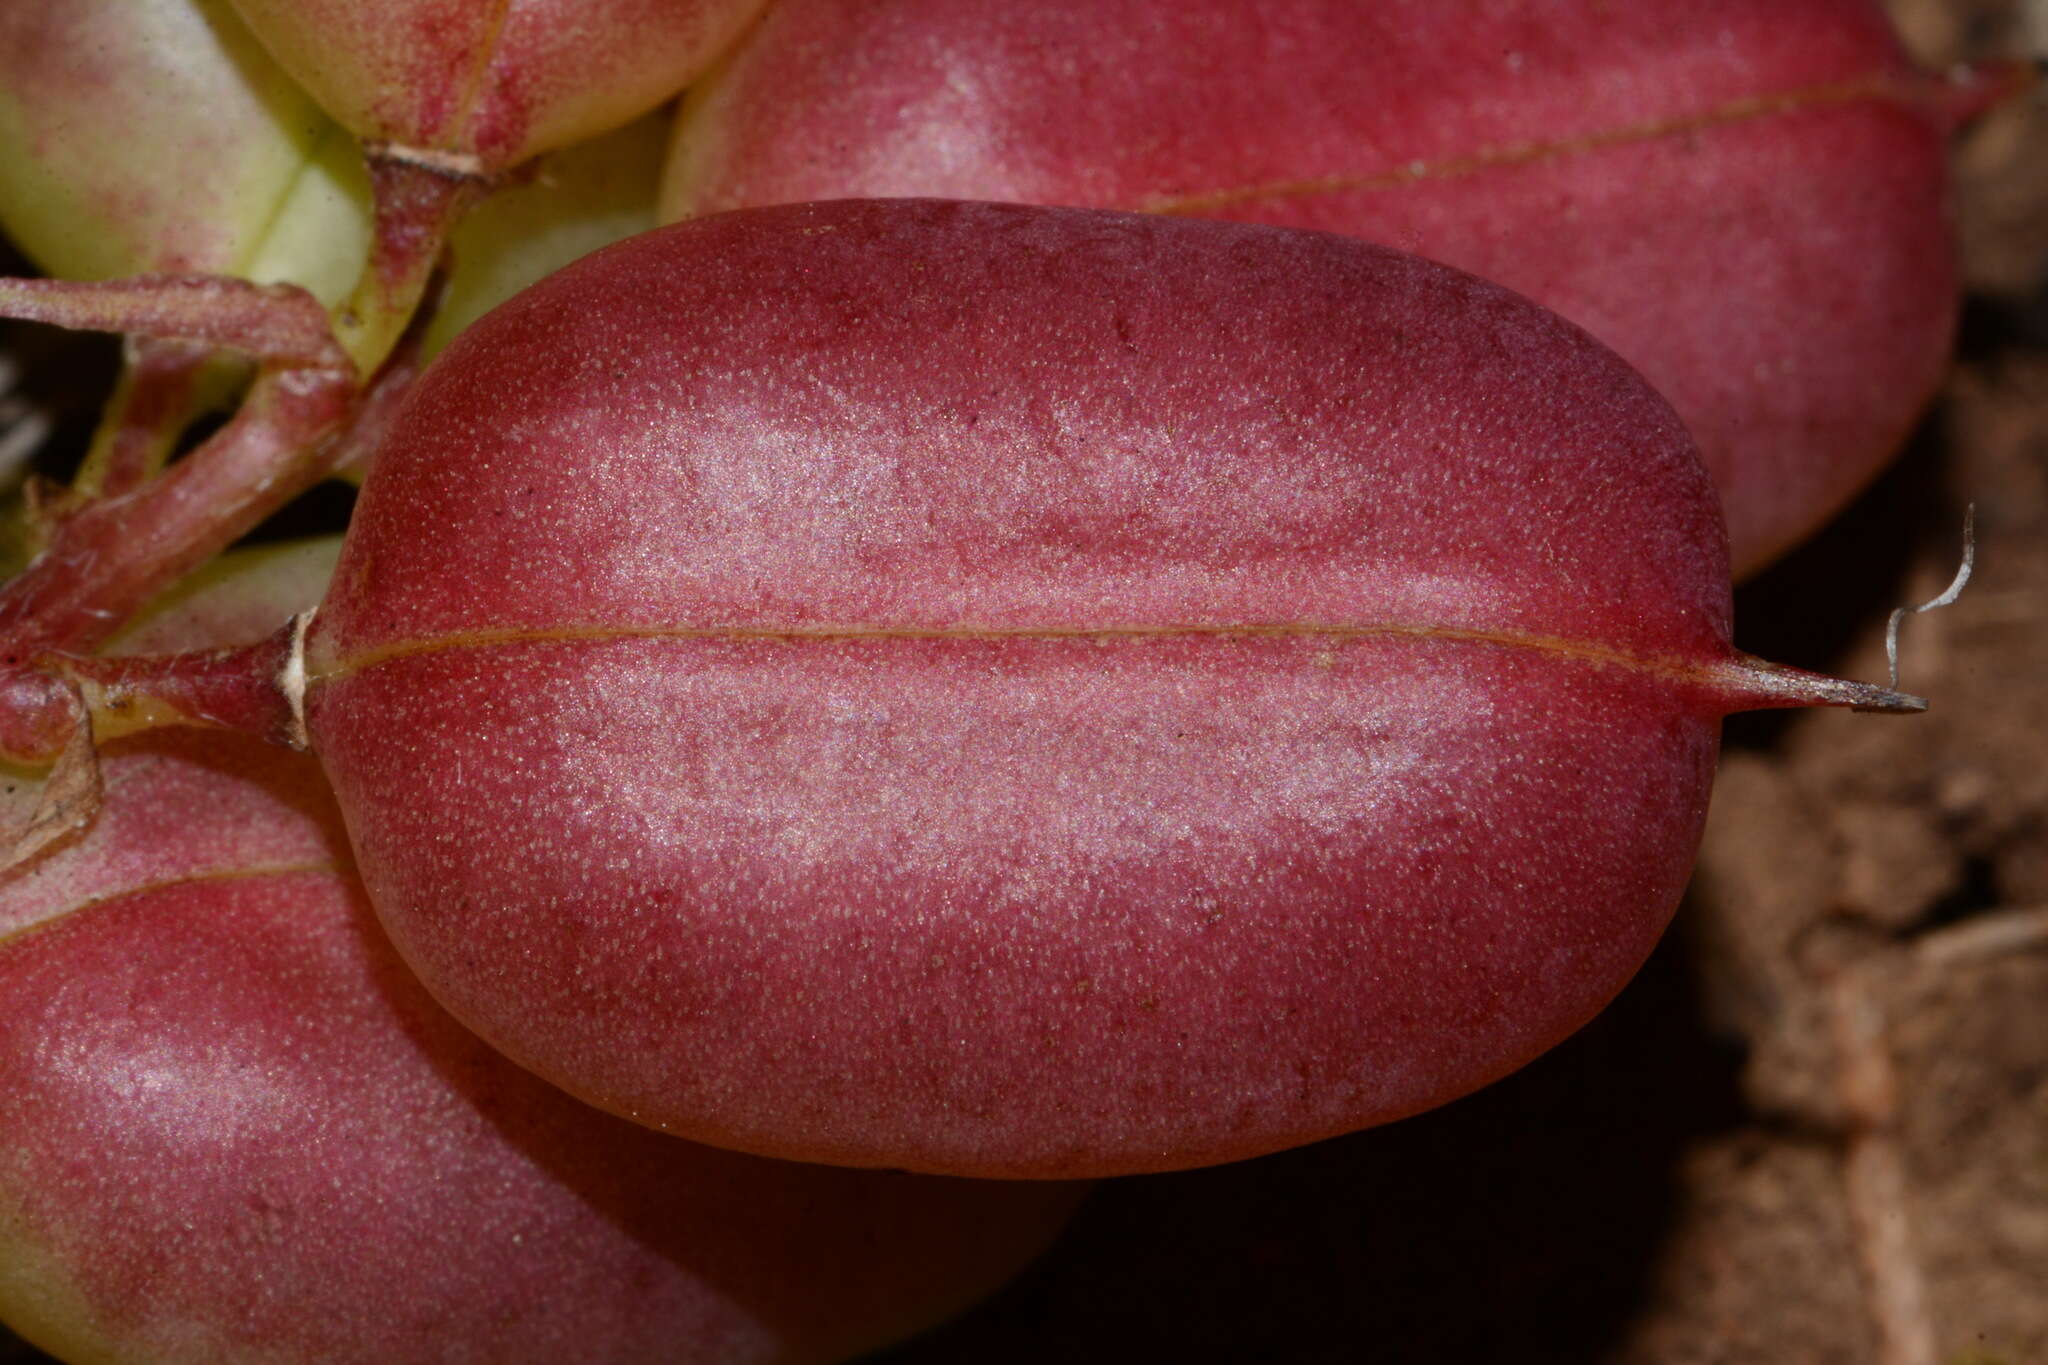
x,y
1746,198
1003,690
493,84
208,1047
155,135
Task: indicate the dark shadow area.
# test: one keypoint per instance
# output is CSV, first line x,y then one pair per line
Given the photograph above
x,y
1517,1225
63,377
322,510
1807,608
1977,892
1993,325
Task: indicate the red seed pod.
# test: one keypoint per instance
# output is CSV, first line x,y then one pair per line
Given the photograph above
x,y
207,1045
496,83
1745,198
1032,692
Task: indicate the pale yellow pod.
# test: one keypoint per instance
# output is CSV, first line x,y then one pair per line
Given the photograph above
x,y
156,135
583,197
489,86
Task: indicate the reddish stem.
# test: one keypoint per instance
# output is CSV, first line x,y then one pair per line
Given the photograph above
x,y
108,559
418,203
357,442
158,392
104,562
280,323
251,689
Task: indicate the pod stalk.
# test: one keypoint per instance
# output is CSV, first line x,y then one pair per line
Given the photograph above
x,y
250,689
418,202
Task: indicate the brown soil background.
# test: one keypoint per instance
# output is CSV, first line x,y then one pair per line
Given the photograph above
x,y
1815,1130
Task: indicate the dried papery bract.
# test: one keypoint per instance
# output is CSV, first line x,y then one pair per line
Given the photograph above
x,y
1029,692
1746,198
207,1044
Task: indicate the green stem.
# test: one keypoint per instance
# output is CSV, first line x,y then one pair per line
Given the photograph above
x,y
418,201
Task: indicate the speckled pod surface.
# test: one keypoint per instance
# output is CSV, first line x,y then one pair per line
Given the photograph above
x,y
1745,198
237,1131
1016,691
